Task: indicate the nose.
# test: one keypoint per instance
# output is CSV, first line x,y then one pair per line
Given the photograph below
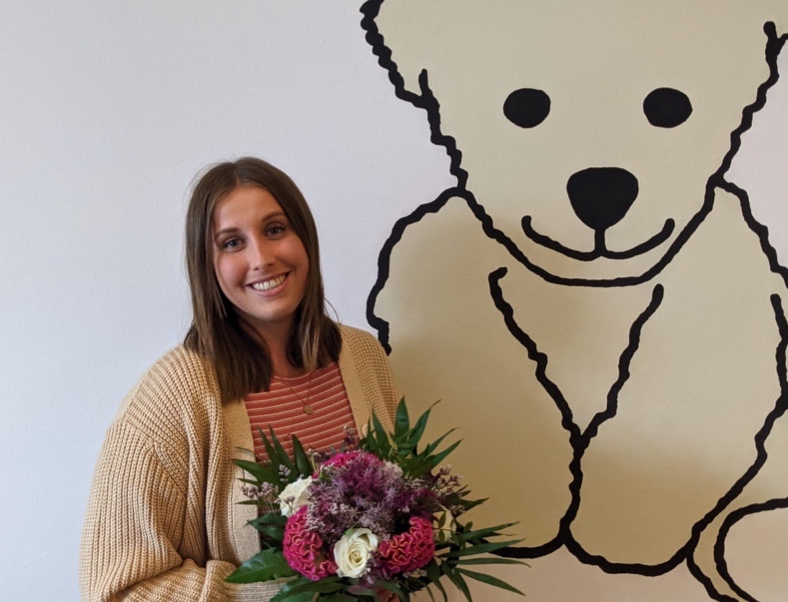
x,y
260,254
601,196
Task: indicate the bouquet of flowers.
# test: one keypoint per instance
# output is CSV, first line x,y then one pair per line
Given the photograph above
x,y
377,519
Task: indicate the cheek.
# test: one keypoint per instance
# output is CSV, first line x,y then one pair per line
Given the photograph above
x,y
225,272
299,257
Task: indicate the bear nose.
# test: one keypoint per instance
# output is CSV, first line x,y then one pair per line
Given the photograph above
x,y
601,196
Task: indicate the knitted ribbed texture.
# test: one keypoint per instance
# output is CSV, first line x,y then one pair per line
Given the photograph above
x,y
163,521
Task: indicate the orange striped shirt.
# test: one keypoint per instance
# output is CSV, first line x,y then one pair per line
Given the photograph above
x,y
282,408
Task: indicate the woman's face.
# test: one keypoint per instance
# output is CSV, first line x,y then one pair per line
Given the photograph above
x,y
260,262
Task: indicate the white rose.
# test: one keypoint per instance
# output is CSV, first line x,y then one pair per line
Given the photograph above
x,y
294,496
352,552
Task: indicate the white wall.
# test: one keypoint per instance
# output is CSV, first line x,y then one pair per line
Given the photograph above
x,y
107,110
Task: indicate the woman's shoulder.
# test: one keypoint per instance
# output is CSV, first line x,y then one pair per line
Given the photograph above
x,y
179,385
363,349
358,337
179,363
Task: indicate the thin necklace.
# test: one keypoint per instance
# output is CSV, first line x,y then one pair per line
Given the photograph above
x,y
305,405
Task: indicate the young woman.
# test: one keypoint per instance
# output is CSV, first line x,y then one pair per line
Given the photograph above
x,y
163,522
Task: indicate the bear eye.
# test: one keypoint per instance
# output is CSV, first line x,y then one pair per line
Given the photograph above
x,y
667,108
527,107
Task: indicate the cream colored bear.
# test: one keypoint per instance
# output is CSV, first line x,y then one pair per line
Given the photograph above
x,y
602,316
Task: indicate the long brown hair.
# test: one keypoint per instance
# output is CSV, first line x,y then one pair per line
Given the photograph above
x,y
241,361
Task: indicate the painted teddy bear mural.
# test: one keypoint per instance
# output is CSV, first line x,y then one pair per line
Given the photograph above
x,y
594,301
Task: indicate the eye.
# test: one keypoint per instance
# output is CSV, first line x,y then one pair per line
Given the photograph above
x,y
667,108
527,107
231,243
275,229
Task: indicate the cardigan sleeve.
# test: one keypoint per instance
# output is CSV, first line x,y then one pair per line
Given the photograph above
x,y
135,526
374,373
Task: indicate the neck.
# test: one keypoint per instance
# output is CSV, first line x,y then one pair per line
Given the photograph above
x,y
281,364
276,338
277,341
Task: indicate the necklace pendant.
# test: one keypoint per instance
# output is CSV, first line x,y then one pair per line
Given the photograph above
x,y
308,409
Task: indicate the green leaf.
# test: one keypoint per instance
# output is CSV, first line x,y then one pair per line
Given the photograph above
x,y
269,449
302,462
304,589
439,585
435,460
275,533
284,459
418,429
305,596
486,532
285,592
272,525
381,437
402,420
264,566
434,575
457,580
329,585
490,580
491,560
273,518
468,504
434,445
392,587
429,591
339,598
302,597
482,548
253,468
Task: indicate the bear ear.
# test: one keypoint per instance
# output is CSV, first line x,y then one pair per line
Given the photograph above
x,y
408,30
776,11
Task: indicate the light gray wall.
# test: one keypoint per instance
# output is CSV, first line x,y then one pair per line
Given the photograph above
x,y
107,111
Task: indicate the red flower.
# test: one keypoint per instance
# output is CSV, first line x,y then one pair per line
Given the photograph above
x,y
408,551
303,549
341,459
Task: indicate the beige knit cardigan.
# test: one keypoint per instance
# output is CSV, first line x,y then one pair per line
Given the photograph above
x,y
163,522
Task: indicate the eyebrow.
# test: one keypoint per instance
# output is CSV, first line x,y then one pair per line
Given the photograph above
x,y
233,229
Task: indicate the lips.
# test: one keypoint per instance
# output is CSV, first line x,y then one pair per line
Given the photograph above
x,y
267,285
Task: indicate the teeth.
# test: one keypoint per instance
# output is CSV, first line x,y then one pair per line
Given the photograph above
x,y
269,284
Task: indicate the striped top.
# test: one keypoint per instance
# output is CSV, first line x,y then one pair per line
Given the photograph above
x,y
282,408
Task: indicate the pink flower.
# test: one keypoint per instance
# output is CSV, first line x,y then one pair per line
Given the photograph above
x,y
408,551
303,549
341,459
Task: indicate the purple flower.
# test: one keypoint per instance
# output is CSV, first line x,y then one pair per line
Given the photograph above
x,y
359,490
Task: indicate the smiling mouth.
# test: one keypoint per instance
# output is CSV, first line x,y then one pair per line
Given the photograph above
x,y
267,285
600,248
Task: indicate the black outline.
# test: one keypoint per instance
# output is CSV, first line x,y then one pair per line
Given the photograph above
x,y
384,258
578,440
427,101
657,295
760,443
728,523
600,249
567,421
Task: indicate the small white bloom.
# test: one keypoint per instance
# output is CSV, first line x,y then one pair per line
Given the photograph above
x,y
294,496
353,551
394,469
